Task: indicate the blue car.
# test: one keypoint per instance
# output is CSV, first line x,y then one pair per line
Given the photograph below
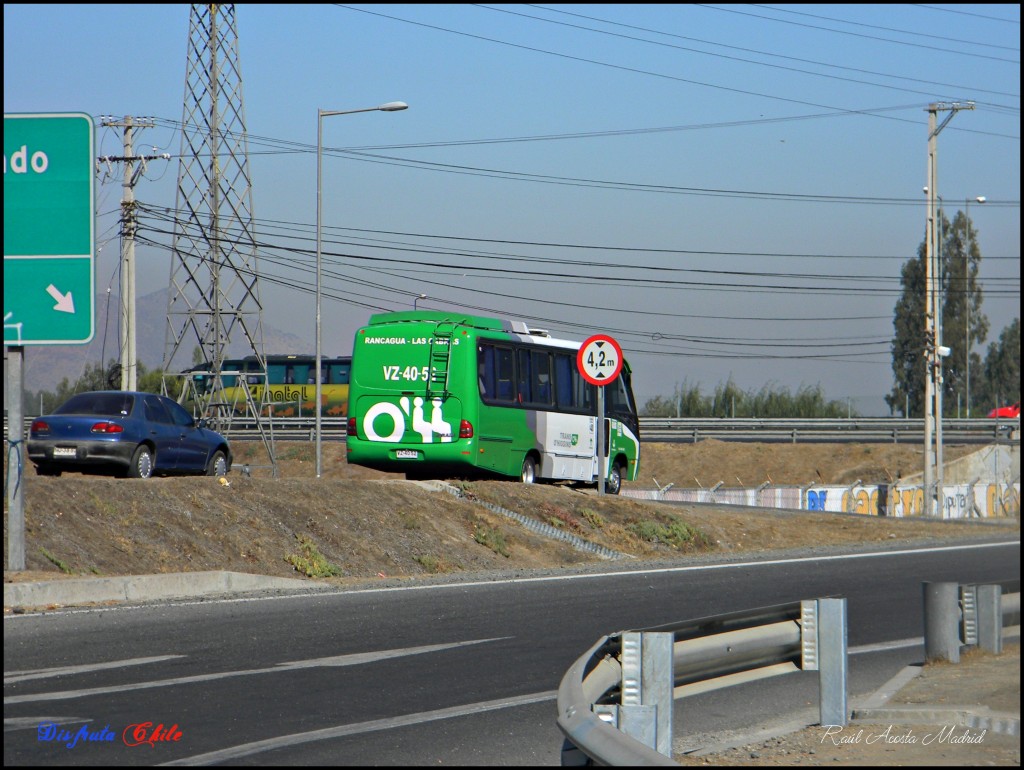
x,y
132,434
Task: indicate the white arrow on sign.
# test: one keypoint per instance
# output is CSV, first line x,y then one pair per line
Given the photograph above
x,y
65,304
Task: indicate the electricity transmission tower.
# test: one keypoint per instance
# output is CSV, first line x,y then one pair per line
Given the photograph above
x,y
213,293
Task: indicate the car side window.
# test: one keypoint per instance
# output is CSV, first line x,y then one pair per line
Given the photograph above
x,y
179,414
155,411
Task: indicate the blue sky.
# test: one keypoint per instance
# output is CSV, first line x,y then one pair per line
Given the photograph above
x,y
728,190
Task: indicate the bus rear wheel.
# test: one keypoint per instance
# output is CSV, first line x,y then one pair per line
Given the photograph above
x,y
529,474
614,483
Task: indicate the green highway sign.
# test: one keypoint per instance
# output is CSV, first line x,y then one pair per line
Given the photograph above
x,y
49,229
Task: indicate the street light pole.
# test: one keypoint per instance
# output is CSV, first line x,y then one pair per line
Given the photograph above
x,y
320,115
969,241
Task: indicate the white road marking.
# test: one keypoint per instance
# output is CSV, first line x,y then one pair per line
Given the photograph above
x,y
43,673
32,723
355,659
895,644
341,731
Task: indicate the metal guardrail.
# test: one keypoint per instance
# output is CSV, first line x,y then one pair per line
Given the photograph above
x,y
613,710
855,429
615,701
868,430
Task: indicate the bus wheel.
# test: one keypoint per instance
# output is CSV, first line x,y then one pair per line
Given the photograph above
x,y
529,470
614,483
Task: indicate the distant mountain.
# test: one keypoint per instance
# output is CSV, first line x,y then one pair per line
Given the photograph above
x,y
47,365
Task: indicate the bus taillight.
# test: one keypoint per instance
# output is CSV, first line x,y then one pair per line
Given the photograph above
x,y
351,426
465,429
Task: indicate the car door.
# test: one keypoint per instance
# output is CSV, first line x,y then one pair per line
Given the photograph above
x,y
193,445
159,427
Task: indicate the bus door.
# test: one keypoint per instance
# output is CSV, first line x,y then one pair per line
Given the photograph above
x,y
622,427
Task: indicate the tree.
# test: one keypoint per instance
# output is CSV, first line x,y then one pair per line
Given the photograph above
x,y
1000,381
962,320
96,376
908,364
685,401
729,401
963,323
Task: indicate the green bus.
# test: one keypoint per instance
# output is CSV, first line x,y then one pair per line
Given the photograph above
x,y
436,394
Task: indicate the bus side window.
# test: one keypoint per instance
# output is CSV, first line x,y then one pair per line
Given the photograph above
x,y
339,374
565,366
617,402
504,368
584,393
275,373
485,371
525,380
541,361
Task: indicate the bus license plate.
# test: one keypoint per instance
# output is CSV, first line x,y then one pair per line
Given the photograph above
x,y
64,451
407,454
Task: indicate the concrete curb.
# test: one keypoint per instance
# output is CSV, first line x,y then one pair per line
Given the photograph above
x,y
140,588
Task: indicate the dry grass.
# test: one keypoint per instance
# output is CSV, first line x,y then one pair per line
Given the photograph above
x,y
363,524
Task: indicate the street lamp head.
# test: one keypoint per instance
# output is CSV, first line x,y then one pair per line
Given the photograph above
x,y
393,107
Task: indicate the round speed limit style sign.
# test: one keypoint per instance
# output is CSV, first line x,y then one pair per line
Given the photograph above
x,y
599,359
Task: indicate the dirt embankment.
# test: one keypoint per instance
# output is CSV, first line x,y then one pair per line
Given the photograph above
x,y
354,523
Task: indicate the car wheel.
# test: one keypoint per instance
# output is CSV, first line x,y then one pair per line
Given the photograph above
x,y
218,465
529,474
613,485
142,463
47,470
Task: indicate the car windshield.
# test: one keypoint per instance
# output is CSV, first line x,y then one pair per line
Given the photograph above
x,y
103,404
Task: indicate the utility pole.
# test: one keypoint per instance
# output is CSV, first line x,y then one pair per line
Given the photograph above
x,y
934,352
968,293
129,225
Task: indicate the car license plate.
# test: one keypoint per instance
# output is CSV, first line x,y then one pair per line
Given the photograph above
x,y
407,454
64,451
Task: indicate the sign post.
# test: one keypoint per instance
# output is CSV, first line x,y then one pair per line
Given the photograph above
x,y
599,361
49,248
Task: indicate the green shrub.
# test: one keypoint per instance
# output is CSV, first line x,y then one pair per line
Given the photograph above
x,y
492,538
676,534
592,517
311,562
61,565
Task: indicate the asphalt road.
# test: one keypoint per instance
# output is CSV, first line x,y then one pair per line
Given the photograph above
x,y
454,673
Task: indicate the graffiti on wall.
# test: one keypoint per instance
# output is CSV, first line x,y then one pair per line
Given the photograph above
x,y
961,501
